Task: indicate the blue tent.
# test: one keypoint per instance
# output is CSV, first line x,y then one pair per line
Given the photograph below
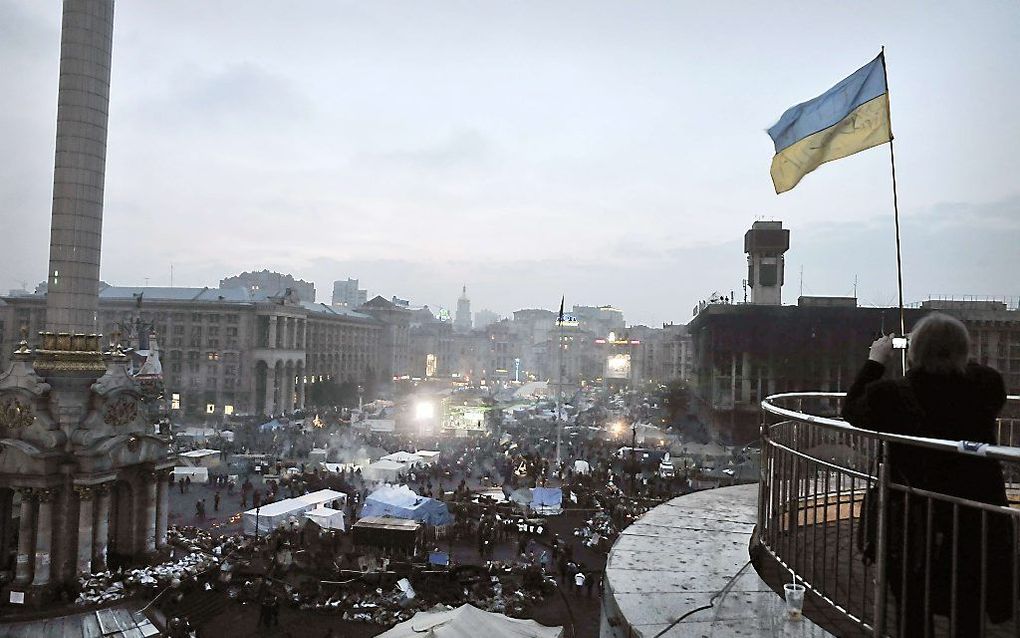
x,y
547,500
401,502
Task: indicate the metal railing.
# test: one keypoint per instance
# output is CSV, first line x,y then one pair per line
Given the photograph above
x,y
944,559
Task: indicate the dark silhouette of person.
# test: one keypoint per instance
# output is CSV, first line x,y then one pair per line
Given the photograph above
x,y
945,396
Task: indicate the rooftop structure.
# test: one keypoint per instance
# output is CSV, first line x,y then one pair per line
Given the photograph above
x,y
271,284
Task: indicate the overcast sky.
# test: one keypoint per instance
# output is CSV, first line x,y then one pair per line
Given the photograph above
x,y
612,152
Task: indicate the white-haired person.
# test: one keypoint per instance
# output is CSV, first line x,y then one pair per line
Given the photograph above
x,y
943,395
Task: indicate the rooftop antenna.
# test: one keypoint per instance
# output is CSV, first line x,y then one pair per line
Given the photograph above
x,y
802,280
171,274
855,286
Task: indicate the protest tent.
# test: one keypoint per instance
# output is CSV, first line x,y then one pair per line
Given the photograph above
x,y
385,471
270,516
200,458
321,498
581,467
404,458
327,518
547,500
196,474
428,456
401,502
467,621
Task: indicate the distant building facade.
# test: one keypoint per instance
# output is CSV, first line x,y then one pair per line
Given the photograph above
x,y
347,294
485,317
271,284
229,350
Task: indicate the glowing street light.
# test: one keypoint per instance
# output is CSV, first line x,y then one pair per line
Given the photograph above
x,y
424,410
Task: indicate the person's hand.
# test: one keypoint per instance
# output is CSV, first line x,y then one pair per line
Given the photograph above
x,y
881,349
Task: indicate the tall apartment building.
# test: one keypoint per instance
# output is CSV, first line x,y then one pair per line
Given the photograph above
x,y
271,284
230,350
346,294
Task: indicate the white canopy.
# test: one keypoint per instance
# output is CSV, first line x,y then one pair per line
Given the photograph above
x,y
327,518
468,621
581,467
200,458
272,515
386,471
402,457
429,456
196,474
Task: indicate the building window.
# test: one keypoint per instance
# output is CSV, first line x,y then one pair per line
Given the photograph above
x,y
196,317
232,318
212,356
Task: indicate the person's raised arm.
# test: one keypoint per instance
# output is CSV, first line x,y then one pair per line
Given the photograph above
x,y
856,409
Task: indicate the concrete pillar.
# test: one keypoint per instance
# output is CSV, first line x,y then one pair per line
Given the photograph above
x,y
272,331
288,387
101,539
43,538
162,507
26,537
86,528
149,493
86,41
301,387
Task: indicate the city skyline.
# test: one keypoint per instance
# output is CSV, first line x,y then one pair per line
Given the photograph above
x,y
533,151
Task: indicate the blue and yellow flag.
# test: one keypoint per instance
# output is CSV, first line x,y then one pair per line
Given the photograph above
x,y
848,118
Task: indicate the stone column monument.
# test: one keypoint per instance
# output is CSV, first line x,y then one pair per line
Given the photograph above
x,y
71,422
83,104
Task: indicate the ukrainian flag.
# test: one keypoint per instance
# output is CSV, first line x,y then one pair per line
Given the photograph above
x,y
850,117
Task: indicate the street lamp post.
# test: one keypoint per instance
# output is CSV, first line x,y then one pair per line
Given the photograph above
x,y
633,458
257,520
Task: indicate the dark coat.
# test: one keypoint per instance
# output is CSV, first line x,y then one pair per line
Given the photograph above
x,y
956,407
953,407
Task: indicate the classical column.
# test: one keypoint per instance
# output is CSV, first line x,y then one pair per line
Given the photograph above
x,y
6,518
86,528
270,389
301,374
150,495
288,387
162,507
26,537
43,537
102,534
272,331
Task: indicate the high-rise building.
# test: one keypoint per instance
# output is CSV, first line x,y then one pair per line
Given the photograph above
x,y
462,320
346,294
271,284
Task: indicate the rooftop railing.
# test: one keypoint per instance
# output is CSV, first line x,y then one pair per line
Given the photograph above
x,y
937,561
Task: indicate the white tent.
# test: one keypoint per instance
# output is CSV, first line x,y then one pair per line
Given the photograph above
x,y
200,458
272,515
581,467
196,474
327,518
467,621
386,471
404,458
428,456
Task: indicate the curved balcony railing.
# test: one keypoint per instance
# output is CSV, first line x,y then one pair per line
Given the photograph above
x,y
815,472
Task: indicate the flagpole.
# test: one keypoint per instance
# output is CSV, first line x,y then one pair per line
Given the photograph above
x,y
896,213
559,383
